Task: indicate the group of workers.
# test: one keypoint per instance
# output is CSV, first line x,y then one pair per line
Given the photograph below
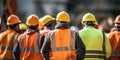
x,y
50,38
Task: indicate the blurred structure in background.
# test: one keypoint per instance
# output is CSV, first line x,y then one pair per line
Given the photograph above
x,y
107,24
8,7
52,7
102,9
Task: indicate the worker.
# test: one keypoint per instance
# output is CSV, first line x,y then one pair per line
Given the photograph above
x,y
48,22
114,38
97,44
29,43
8,38
23,28
63,43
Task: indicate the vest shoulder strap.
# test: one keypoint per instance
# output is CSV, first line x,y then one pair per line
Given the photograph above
x,y
103,46
12,40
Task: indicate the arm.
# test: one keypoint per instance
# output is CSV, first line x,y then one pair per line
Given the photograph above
x,y
42,40
16,51
46,47
80,47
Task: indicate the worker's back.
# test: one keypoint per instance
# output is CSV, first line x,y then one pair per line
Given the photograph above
x,y
30,46
115,44
7,42
90,37
63,43
61,39
114,38
96,46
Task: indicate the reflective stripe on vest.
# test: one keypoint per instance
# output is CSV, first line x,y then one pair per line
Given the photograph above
x,y
72,44
5,59
10,47
36,49
95,52
114,57
94,56
114,53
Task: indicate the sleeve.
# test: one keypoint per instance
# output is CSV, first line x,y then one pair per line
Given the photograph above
x,y
108,47
16,37
46,48
16,51
80,47
42,40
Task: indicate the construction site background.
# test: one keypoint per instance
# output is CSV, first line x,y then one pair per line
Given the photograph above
x,y
104,10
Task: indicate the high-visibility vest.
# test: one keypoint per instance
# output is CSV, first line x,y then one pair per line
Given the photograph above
x,y
62,45
7,42
114,38
97,53
97,44
30,47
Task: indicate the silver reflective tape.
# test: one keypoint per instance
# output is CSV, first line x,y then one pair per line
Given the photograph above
x,y
116,52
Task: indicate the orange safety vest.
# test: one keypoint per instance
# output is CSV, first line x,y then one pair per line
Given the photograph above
x,y
30,47
115,55
7,42
62,45
114,38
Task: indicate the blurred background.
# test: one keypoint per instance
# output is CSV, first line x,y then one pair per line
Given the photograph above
x,y
104,10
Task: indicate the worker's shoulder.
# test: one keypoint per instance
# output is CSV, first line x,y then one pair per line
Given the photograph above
x,y
90,31
51,32
114,33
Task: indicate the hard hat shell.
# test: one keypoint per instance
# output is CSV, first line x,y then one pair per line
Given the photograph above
x,y
32,20
63,16
40,24
22,26
13,19
46,19
117,20
88,17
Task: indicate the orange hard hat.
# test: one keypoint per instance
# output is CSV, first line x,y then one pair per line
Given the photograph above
x,y
13,19
117,20
32,20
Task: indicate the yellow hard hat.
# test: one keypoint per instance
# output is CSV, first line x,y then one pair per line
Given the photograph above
x,y
88,17
32,20
46,19
63,16
13,19
117,20
40,24
22,26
